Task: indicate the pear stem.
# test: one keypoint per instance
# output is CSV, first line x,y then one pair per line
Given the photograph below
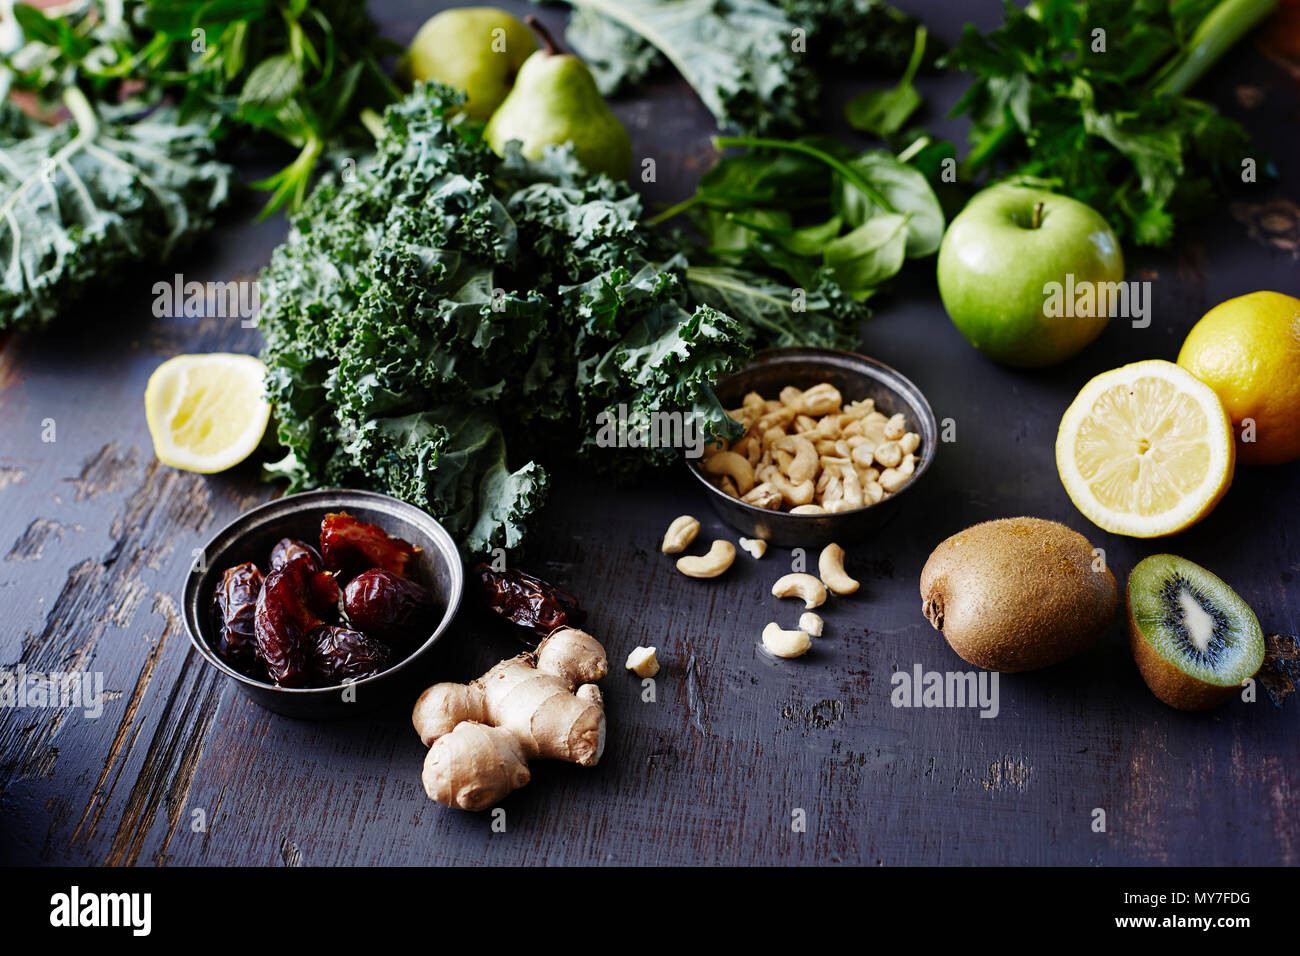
x,y
548,41
1038,216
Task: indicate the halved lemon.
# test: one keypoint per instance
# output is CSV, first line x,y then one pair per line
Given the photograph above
x,y
207,413
1145,450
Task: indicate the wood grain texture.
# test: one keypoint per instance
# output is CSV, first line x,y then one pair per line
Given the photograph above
x,y
97,540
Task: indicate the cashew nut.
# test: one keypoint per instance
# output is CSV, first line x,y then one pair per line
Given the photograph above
x,y
808,510
642,662
801,585
909,443
785,643
895,427
764,496
804,464
720,557
830,565
755,546
822,400
796,494
889,454
680,534
810,624
737,467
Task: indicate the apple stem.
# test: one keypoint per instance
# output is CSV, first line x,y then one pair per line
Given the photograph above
x,y
552,48
1038,216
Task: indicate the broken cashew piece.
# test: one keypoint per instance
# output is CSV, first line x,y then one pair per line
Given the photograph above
x,y
755,546
805,586
642,662
736,467
720,557
811,624
785,643
830,565
680,534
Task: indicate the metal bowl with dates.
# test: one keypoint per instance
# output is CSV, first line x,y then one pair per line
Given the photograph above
x,y
251,536
857,377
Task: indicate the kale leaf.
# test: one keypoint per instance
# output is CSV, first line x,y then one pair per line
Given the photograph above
x,y
739,56
447,316
114,185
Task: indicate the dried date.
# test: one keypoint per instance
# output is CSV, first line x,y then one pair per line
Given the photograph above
x,y
388,607
532,604
350,546
287,549
291,605
235,609
340,654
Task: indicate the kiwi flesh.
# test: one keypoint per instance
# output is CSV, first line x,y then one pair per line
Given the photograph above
x,y
1195,641
1018,594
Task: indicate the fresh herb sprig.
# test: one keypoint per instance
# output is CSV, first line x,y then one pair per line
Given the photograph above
x,y
1093,98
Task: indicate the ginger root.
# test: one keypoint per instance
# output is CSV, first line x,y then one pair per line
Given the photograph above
x,y
481,735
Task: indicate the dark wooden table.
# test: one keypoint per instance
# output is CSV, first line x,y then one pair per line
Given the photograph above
x,y
96,540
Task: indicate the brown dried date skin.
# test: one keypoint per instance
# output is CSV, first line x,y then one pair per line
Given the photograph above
x,y
290,607
394,609
341,654
350,546
235,609
527,601
286,549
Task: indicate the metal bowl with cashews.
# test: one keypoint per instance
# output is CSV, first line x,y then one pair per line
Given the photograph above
x,y
833,442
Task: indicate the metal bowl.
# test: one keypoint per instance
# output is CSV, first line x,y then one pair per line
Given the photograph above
x,y
251,536
857,377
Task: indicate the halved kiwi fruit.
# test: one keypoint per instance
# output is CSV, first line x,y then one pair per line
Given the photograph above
x,y
1195,641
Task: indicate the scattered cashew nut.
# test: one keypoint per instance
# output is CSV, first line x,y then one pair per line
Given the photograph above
x,y
642,662
680,534
785,643
755,546
805,586
830,565
810,624
720,557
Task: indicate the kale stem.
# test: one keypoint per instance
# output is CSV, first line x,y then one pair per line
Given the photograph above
x,y
1218,33
850,175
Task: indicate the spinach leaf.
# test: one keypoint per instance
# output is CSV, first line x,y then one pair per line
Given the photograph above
x,y
883,112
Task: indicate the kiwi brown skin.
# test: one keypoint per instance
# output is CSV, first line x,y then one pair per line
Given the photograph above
x,y
1017,594
1167,682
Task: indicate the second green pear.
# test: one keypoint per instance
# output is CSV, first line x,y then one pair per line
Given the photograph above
x,y
554,101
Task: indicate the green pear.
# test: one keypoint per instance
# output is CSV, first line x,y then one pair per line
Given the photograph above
x,y
475,49
555,100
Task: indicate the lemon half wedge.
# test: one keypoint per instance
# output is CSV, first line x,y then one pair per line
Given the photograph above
x,y
1145,450
207,413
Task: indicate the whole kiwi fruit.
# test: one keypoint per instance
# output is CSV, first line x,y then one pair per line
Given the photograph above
x,y
1017,594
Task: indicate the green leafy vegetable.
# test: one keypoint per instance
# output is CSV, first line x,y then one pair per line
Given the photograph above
x,y
448,315
796,235
883,112
739,56
302,71
1091,97
862,34
110,187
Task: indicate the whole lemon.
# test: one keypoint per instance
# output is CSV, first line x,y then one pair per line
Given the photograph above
x,y
1248,350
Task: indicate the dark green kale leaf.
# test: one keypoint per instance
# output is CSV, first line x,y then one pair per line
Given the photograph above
x,y
447,315
112,186
738,56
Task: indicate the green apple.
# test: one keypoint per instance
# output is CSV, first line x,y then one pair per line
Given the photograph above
x,y
1013,267
475,49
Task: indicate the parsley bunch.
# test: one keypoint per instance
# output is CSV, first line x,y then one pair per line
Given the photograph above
x,y
1092,97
